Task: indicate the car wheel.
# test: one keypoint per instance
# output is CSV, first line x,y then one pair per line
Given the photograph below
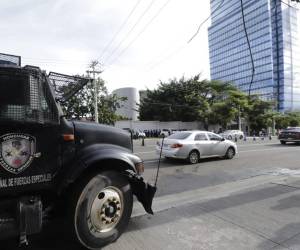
x,y
100,210
283,142
230,153
193,157
229,137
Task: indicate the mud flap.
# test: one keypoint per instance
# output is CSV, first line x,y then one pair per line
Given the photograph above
x,y
143,191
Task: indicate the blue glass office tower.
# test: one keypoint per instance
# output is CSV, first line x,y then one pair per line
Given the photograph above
x,y
274,34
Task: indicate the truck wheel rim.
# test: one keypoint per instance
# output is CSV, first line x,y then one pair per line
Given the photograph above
x,y
193,157
107,209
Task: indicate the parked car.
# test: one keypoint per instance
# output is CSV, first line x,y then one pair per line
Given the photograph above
x,y
165,132
193,145
136,134
291,134
140,134
231,134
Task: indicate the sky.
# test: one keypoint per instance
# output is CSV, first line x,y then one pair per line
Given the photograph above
x,y
137,42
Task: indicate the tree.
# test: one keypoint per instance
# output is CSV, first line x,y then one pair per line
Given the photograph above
x,y
211,102
194,100
183,99
259,114
221,113
288,119
81,105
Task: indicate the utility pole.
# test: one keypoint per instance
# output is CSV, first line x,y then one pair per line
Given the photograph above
x,y
239,118
94,72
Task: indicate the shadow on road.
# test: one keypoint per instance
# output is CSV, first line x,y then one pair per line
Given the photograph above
x,y
166,163
289,202
291,144
289,235
53,236
210,206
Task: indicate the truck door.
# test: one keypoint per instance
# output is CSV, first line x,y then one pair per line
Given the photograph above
x,y
30,132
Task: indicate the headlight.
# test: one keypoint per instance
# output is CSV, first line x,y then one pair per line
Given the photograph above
x,y
140,168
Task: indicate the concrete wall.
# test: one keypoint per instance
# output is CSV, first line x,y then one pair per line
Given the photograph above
x,y
142,125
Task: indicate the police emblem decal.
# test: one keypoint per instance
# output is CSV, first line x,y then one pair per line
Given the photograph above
x,y
16,152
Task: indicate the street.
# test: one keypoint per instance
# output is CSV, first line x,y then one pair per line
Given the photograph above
x,y
98,97
249,202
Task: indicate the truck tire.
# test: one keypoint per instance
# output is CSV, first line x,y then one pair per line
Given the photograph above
x,y
101,209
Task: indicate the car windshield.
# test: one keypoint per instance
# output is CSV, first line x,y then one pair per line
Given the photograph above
x,y
180,135
292,129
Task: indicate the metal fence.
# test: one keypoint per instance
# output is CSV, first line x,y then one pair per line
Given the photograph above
x,y
66,86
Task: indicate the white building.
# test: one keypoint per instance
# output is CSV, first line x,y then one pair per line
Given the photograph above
x,y
129,108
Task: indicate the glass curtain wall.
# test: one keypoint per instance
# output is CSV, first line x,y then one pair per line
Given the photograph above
x,y
273,32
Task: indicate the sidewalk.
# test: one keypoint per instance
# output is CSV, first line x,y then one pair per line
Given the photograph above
x,y
256,213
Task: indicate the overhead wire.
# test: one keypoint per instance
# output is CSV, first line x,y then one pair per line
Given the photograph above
x,y
167,57
200,25
130,31
108,45
141,32
289,5
180,48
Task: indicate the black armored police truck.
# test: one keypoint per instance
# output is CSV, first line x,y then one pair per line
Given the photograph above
x,y
83,170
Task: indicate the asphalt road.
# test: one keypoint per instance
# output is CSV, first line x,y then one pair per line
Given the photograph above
x,y
254,158
249,202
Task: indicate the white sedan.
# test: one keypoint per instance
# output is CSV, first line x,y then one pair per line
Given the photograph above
x,y
231,134
193,145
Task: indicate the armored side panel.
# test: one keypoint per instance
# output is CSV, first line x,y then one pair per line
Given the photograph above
x,y
25,97
30,128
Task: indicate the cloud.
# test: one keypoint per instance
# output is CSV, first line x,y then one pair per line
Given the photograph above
x,y
65,35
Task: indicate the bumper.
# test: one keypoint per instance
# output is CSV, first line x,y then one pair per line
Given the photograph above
x,y
289,139
171,153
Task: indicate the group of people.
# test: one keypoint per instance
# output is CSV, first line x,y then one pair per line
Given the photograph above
x,y
152,132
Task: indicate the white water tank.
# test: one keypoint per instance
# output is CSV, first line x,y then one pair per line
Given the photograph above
x,y
129,108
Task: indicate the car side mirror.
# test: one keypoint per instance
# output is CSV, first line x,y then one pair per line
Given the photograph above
x,y
223,139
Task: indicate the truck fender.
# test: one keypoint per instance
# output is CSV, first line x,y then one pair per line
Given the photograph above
x,y
89,156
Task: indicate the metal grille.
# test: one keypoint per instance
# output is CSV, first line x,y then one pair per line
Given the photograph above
x,y
25,96
10,59
66,86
